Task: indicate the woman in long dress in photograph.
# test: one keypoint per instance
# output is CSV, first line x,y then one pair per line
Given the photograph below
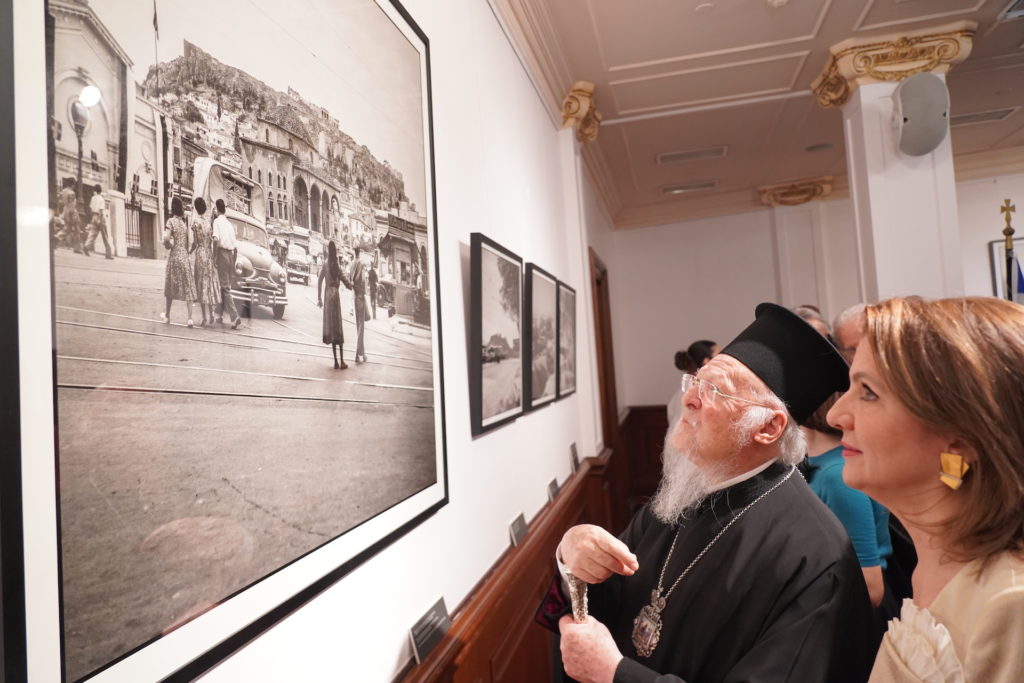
x,y
330,301
207,286
179,282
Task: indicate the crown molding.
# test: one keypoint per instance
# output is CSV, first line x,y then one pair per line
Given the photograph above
x,y
989,163
529,29
728,203
600,175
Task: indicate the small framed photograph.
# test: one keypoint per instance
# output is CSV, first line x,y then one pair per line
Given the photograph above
x,y
997,261
540,355
496,334
566,340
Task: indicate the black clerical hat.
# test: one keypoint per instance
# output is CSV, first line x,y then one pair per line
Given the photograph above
x,y
798,364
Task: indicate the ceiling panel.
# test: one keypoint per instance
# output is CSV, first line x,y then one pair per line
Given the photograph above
x,y
898,14
709,84
737,169
981,136
636,33
738,73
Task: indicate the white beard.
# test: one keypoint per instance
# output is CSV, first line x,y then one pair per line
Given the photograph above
x,y
684,484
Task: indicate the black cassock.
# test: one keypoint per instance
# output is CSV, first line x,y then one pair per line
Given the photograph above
x,y
779,597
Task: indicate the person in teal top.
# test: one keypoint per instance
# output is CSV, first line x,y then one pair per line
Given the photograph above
x,y
866,522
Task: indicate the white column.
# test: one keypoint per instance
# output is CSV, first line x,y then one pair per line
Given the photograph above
x,y
905,208
799,256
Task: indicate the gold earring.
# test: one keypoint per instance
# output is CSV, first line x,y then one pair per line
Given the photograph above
x,y
953,469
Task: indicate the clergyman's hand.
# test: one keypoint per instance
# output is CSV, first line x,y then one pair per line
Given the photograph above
x,y
589,652
593,554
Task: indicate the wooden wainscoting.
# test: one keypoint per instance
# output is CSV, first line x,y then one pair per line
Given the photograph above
x,y
643,436
494,638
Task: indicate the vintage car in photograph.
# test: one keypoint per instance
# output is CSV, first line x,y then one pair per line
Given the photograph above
x,y
297,263
258,279
492,354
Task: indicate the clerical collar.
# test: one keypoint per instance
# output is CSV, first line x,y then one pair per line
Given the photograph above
x,y
743,477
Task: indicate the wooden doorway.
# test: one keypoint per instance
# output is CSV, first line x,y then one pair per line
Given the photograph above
x,y
618,478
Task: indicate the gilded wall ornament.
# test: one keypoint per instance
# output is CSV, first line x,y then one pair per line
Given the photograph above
x,y
580,112
891,58
795,192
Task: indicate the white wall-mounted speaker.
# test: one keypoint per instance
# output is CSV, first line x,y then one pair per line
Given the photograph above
x,y
920,113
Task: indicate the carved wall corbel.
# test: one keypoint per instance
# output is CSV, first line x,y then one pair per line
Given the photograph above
x,y
580,112
894,57
795,192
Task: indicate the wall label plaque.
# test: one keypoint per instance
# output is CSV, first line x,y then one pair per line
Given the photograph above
x,y
428,631
552,490
517,529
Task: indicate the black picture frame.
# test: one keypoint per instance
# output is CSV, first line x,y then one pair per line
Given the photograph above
x,y
540,374
496,314
997,263
567,355
197,641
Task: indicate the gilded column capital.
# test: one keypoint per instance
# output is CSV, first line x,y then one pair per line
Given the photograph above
x,y
795,192
893,57
580,112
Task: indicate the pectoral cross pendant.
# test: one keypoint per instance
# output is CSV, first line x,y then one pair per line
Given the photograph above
x,y
647,625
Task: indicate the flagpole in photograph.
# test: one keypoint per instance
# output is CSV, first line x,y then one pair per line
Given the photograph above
x,y
156,56
1011,261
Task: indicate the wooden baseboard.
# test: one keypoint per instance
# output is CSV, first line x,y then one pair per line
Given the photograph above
x,y
493,637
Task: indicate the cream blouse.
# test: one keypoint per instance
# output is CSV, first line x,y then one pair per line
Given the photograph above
x,y
972,633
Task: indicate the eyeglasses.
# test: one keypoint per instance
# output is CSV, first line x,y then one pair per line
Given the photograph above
x,y
707,392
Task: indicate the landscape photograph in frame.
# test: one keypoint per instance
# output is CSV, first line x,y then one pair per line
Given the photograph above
x,y
496,334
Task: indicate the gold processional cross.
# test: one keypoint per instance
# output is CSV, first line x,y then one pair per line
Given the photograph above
x,y
1007,208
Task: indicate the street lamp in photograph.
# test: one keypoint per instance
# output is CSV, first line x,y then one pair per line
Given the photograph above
x,y
79,120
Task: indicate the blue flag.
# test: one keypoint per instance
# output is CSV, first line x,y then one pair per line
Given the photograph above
x,y
1018,282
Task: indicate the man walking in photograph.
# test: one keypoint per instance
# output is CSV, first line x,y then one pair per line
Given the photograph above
x,y
225,250
98,223
373,291
72,228
357,274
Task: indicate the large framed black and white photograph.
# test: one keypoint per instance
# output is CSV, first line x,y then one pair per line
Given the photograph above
x,y
239,241
566,340
540,303
496,334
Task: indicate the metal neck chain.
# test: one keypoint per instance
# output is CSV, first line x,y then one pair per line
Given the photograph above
x,y
661,577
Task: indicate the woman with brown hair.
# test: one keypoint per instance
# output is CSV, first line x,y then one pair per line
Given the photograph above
x,y
933,429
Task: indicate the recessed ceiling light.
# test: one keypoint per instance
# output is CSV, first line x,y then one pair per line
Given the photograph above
x,y
691,155
819,147
686,188
704,8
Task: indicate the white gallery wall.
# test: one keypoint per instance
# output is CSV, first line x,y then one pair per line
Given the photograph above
x,y
504,169
701,279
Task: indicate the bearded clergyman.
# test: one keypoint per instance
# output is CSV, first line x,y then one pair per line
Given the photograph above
x,y
735,570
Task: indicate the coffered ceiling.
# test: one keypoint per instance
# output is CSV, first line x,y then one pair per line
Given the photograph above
x,y
697,76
